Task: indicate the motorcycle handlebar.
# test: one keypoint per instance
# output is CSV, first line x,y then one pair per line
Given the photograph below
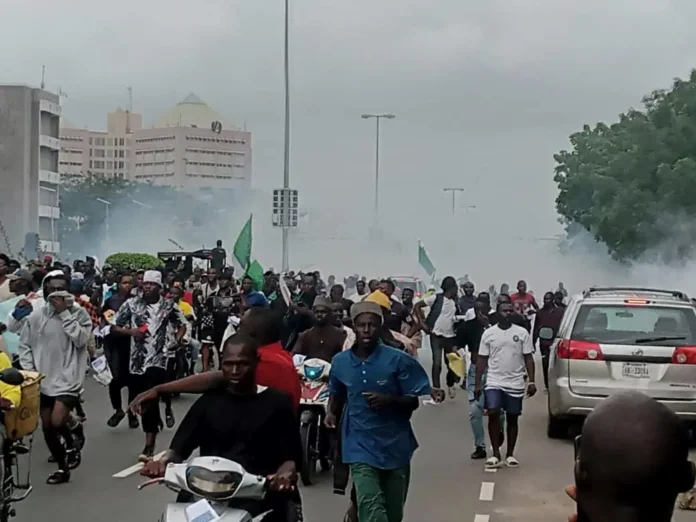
x,y
150,482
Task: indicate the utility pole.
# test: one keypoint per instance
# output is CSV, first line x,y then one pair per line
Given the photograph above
x,y
286,162
377,118
454,196
130,110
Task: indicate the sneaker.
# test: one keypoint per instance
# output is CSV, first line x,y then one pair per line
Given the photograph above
x,y
479,454
78,432
169,418
116,419
452,392
73,458
147,454
133,422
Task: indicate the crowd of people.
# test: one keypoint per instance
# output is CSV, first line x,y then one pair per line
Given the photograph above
x,y
232,339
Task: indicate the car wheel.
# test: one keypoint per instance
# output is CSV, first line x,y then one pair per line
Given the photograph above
x,y
556,428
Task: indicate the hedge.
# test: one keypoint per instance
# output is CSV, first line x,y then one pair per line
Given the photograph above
x,y
137,261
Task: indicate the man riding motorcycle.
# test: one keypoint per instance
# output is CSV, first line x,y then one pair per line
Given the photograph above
x,y
250,424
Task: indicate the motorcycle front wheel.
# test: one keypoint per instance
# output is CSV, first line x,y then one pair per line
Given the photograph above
x,y
308,435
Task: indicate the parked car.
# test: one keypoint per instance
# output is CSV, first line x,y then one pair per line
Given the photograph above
x,y
413,283
617,339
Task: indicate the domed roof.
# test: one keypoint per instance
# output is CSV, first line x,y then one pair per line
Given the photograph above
x,y
191,112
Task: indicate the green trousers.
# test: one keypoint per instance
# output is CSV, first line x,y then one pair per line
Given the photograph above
x,y
381,493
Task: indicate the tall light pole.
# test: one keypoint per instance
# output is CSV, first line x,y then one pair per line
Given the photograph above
x,y
286,162
377,117
108,204
454,196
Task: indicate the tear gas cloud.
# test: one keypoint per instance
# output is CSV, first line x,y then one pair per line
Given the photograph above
x,y
334,239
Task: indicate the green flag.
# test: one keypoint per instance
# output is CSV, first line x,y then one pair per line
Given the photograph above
x,y
424,260
242,247
255,271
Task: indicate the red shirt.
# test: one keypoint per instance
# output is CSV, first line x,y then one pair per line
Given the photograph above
x,y
188,297
276,370
522,303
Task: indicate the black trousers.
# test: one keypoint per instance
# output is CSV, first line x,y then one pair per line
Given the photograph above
x,y
151,418
118,357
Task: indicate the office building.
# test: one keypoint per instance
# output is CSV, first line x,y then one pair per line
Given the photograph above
x,y
191,147
29,179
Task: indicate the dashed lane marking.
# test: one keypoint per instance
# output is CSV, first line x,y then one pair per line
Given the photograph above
x,y
491,470
487,489
135,468
481,518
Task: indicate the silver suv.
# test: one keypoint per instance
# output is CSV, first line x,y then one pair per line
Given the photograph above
x,y
617,339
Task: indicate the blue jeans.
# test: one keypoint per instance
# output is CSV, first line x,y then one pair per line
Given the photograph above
x,y
195,350
476,408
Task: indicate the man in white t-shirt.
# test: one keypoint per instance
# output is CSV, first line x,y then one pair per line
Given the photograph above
x,y
506,352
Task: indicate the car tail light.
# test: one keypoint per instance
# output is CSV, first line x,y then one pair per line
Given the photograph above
x,y
684,355
579,350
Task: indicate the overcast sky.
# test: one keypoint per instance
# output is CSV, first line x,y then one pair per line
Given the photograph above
x,y
484,92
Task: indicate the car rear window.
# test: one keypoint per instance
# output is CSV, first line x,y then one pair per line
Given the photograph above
x,y
402,285
619,324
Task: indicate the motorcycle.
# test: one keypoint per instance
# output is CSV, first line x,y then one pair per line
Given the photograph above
x,y
316,440
17,441
212,482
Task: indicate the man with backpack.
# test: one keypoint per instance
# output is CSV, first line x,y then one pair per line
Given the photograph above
x,y
441,326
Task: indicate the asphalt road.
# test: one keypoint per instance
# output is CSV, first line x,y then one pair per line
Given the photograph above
x,y
446,485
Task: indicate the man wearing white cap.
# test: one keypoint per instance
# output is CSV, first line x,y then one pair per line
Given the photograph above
x,y
155,325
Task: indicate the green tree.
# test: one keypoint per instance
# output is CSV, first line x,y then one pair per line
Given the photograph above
x,y
83,215
630,183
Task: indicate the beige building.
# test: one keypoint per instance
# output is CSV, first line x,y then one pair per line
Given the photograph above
x,y
190,146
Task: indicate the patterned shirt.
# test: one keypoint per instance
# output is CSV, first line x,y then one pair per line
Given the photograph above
x,y
161,321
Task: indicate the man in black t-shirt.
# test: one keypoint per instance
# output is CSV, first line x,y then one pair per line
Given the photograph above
x,y
249,424
219,257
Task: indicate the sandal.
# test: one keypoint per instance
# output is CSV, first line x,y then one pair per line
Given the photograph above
x,y
493,463
60,476
512,462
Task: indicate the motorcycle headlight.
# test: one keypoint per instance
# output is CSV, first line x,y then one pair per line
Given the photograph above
x,y
312,373
213,485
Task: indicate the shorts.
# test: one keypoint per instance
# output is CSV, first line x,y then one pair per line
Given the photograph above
x,y
70,401
211,336
496,399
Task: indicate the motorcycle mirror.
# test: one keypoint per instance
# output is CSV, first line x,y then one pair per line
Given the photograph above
x,y
12,376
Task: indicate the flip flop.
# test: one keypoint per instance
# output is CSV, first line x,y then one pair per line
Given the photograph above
x,y
493,463
512,462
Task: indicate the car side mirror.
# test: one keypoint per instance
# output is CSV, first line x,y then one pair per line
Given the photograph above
x,y
546,334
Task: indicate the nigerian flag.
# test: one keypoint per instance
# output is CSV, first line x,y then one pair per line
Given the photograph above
x,y
424,260
242,247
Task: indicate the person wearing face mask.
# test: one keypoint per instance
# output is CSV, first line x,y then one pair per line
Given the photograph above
x,y
506,353
54,343
324,340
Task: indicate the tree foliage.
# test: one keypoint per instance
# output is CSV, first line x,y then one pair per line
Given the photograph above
x,y
134,260
84,213
631,184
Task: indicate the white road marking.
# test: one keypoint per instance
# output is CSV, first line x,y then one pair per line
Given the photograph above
x,y
487,489
135,468
491,470
481,518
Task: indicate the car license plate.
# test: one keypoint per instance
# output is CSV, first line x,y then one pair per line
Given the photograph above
x,y
635,370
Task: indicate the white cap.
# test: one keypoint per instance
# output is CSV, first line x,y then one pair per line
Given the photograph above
x,y
153,276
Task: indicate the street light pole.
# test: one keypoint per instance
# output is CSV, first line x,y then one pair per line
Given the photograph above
x,y
454,196
286,162
108,204
377,117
